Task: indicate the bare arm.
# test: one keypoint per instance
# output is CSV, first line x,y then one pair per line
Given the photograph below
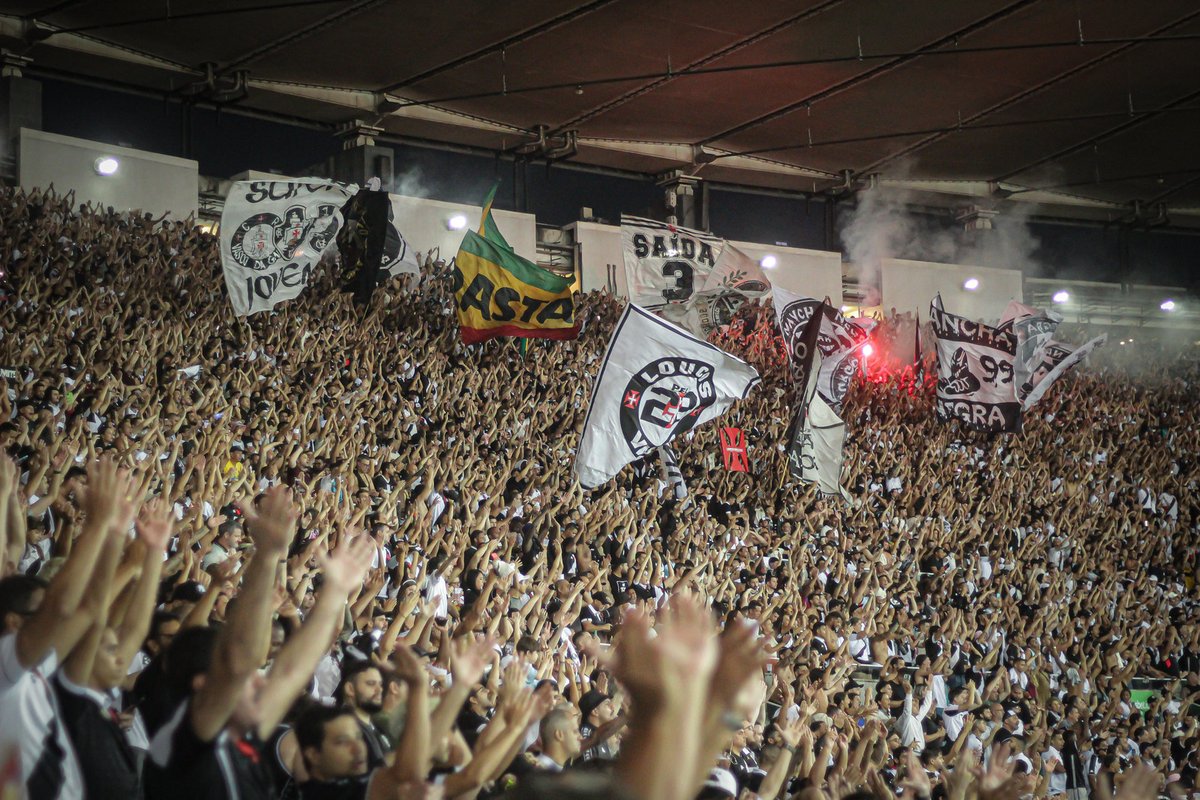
x,y
58,623
240,644
298,658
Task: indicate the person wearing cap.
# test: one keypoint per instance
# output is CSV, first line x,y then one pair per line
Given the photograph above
x,y
719,784
234,467
596,714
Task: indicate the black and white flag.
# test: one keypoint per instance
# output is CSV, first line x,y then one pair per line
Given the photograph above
x,y
736,279
370,244
272,235
1055,359
976,374
1034,329
671,473
666,263
657,382
839,342
817,433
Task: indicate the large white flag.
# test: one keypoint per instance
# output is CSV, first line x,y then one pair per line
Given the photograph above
x,y
657,381
272,234
839,341
817,433
666,263
735,279
976,376
1034,329
1056,359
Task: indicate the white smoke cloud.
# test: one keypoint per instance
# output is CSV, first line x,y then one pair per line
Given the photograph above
x,y
410,183
882,224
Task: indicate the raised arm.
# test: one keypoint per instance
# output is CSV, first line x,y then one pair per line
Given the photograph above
x,y
58,623
243,640
154,531
294,666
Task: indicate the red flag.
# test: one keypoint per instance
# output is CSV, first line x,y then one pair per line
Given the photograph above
x,y
733,448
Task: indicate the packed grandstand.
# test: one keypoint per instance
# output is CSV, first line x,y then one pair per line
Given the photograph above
x,y
333,551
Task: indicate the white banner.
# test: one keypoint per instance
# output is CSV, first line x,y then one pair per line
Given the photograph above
x,y
666,263
272,234
976,377
736,279
839,341
1056,359
1034,329
818,435
657,381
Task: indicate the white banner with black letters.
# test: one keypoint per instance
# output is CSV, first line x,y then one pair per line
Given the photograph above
x,y
272,235
666,263
1055,360
1034,329
976,377
839,341
657,381
817,434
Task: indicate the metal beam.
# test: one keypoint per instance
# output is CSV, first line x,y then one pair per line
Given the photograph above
x,y
1163,195
873,72
716,55
1025,94
54,9
496,47
1100,137
304,32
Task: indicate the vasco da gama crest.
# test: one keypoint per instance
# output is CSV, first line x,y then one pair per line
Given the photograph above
x,y
266,238
663,399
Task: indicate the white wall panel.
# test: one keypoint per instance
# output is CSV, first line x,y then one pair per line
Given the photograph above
x,y
144,181
911,285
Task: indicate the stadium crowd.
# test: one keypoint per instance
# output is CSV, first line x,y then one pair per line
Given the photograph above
x,y
329,552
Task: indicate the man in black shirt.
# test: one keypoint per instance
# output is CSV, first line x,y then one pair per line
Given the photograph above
x,y
361,693
336,755
89,678
212,745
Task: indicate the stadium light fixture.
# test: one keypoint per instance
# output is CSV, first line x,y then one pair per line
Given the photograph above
x,y
971,284
107,165
768,261
1167,305
1061,296
456,222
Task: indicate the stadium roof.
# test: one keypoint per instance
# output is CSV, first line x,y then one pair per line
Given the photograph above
x,y
1091,106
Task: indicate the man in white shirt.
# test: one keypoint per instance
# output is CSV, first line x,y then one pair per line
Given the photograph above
x,y
41,624
560,740
1053,761
909,725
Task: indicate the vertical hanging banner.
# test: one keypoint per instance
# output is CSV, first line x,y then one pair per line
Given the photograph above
x,y
656,382
1055,360
733,450
839,341
666,263
272,235
976,376
816,435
